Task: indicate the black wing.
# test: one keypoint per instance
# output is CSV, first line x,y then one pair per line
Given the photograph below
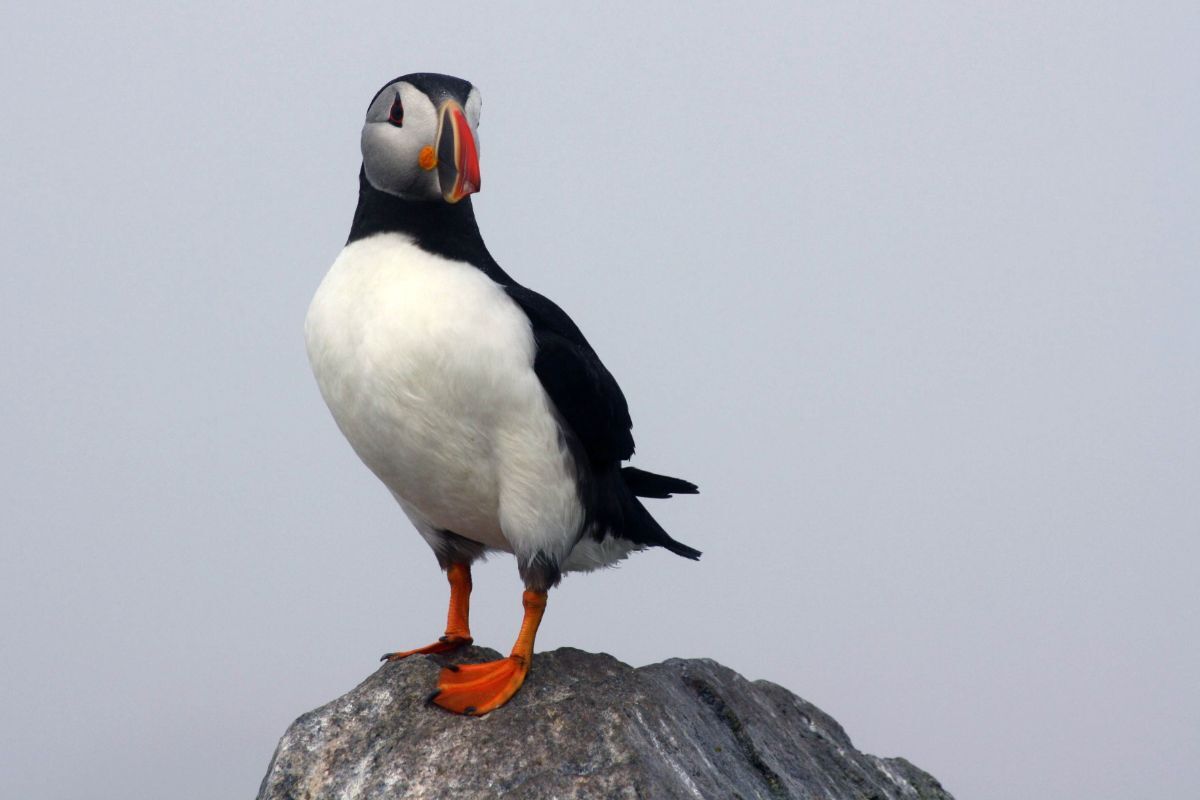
x,y
594,408
581,387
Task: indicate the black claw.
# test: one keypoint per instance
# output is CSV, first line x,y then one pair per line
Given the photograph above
x,y
385,657
451,667
469,710
443,639
433,696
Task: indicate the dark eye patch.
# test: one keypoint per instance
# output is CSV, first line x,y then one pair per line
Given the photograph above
x,y
396,115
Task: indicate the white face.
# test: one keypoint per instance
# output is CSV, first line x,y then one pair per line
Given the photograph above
x,y
392,154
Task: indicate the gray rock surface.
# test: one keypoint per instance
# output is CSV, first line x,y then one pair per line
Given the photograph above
x,y
583,726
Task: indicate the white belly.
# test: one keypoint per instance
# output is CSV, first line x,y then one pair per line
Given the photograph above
x,y
427,366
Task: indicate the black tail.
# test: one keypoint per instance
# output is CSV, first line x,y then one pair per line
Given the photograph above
x,y
648,484
611,500
650,532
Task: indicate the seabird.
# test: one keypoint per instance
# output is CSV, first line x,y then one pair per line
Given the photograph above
x,y
478,402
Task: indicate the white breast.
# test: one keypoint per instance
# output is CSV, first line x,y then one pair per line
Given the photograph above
x,y
427,366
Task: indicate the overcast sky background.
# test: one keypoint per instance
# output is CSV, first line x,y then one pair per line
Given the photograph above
x,y
911,292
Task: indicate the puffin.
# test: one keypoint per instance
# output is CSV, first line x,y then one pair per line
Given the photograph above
x,y
476,401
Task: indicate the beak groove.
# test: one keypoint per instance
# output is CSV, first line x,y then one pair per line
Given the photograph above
x,y
457,154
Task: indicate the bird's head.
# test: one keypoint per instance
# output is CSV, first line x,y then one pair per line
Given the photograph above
x,y
419,140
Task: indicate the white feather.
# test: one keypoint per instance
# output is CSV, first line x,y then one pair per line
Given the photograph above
x,y
427,366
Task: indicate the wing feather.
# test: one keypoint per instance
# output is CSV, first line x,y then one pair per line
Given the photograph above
x,y
582,389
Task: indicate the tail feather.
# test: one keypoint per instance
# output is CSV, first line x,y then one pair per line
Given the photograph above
x,y
614,508
649,484
655,534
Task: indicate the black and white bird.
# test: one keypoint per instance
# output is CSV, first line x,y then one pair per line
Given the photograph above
x,y
477,402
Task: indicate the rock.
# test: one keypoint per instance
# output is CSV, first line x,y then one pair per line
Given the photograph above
x,y
583,726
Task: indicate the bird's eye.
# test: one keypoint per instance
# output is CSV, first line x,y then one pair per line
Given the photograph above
x,y
396,115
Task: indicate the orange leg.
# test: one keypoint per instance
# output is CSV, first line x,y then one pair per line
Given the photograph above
x,y
458,630
476,689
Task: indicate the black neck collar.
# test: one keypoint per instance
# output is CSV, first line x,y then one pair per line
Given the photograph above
x,y
445,229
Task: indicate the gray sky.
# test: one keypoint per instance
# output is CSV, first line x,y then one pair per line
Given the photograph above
x,y
911,292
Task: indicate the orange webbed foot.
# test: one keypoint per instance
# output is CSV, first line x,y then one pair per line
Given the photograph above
x,y
476,689
458,626
443,645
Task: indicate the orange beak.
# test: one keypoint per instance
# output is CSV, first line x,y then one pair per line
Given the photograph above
x,y
457,154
